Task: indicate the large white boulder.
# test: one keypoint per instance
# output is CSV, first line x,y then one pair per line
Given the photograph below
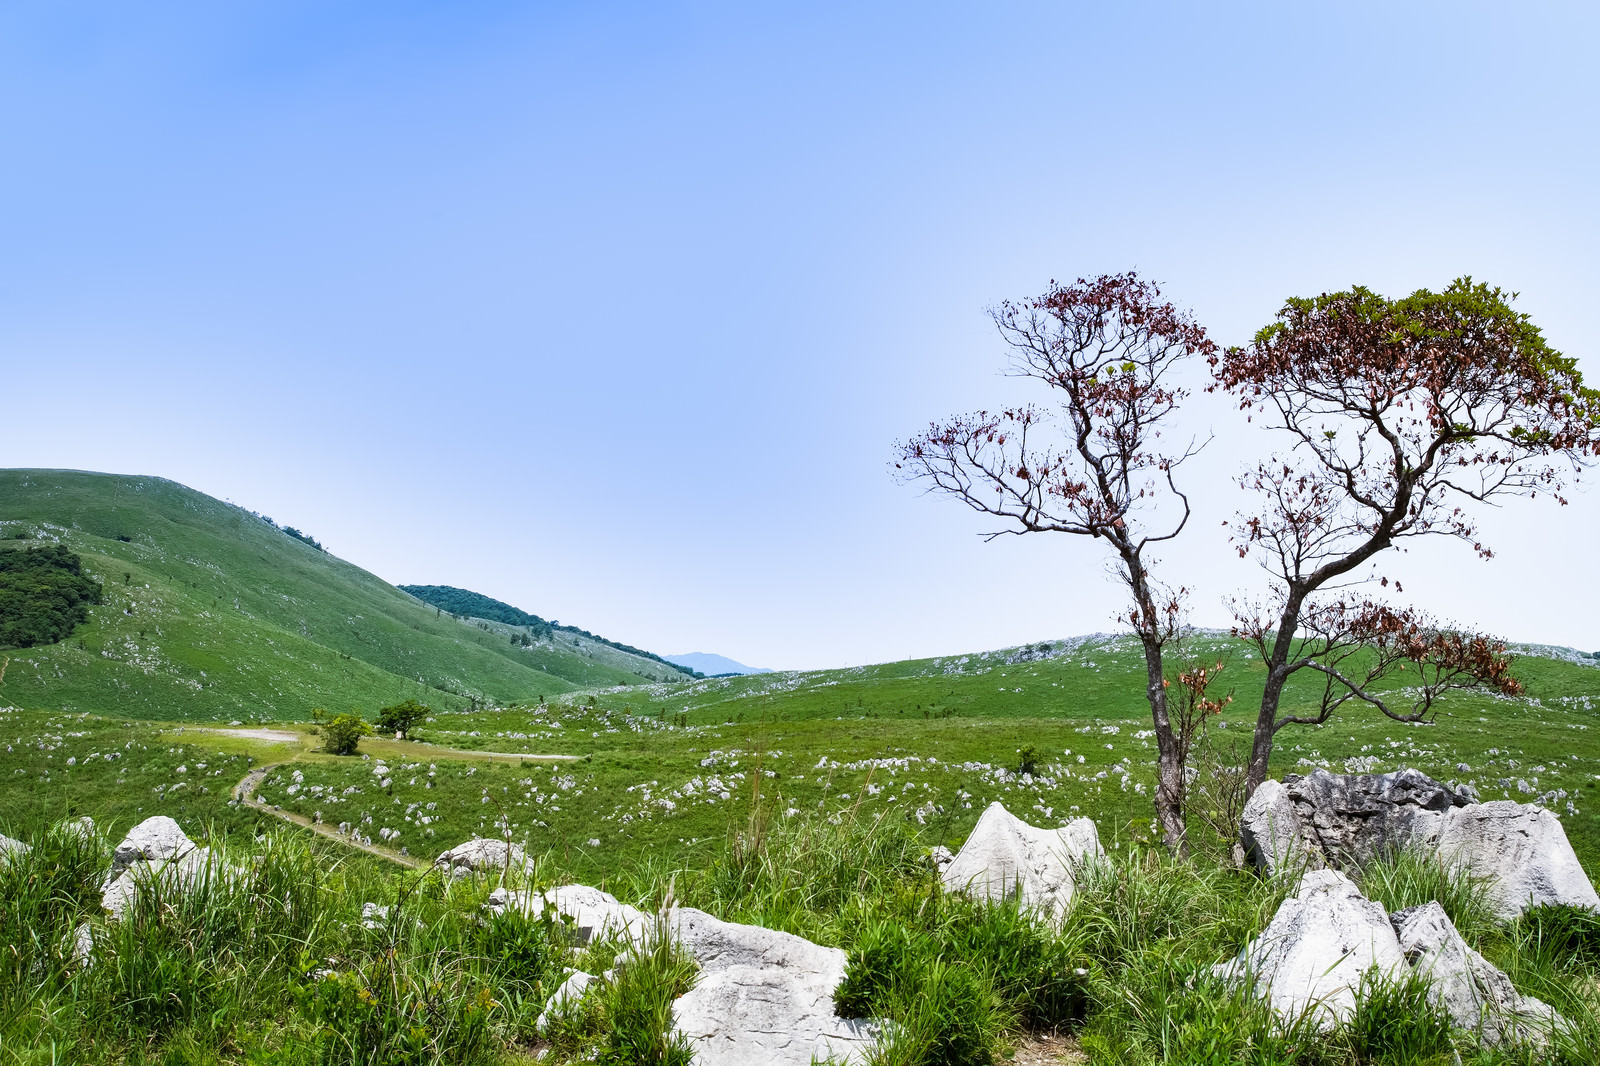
x,y
762,996
190,869
10,847
589,913
1005,857
157,839
1522,854
1310,959
1469,988
1270,830
482,854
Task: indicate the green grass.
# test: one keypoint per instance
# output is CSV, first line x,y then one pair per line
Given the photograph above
x,y
211,614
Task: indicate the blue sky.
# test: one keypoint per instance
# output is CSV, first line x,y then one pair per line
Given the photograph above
x,y
616,311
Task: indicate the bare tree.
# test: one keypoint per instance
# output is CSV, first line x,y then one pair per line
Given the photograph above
x,y
1400,415
1094,464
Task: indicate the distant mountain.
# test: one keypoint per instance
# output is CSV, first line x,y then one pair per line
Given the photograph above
x,y
464,603
707,663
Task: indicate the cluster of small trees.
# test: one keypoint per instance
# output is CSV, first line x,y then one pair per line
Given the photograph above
x,y
342,733
1398,415
44,594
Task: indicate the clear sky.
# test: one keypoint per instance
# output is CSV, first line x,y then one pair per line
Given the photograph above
x,y
615,311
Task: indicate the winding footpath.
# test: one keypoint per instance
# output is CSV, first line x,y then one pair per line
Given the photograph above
x,y
245,792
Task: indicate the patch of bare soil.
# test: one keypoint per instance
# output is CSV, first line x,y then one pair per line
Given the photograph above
x,y
275,736
1038,1050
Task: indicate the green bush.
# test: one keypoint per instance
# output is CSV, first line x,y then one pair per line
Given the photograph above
x,y
1395,1024
342,733
402,717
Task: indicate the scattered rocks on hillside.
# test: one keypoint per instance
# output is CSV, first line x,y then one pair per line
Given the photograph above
x,y
1475,994
481,854
1310,959
762,996
1005,856
1519,850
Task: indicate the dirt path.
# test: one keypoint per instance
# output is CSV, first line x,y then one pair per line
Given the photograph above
x,y
245,791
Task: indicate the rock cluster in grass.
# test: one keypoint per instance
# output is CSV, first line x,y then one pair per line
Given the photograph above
x,y
156,852
761,995
1005,857
482,854
1311,959
1518,850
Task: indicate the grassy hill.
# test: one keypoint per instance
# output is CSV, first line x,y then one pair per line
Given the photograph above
x,y
211,612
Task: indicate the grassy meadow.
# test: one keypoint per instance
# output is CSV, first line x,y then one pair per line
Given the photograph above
x,y
803,801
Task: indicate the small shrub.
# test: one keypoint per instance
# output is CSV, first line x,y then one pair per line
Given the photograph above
x,y
1411,878
342,733
1395,1023
950,1017
883,961
638,1004
1027,760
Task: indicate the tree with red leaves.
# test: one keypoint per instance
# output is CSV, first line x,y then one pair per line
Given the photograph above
x,y
1400,415
1094,464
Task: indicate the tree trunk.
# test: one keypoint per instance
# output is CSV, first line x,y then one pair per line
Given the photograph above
x,y
1272,693
1169,756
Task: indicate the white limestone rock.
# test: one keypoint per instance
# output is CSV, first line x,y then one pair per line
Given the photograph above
x,y
157,839
1521,852
564,999
189,869
1273,838
589,913
762,996
1310,959
374,916
482,854
1005,856
1475,994
10,847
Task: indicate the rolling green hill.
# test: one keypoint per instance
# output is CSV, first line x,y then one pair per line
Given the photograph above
x,y
211,612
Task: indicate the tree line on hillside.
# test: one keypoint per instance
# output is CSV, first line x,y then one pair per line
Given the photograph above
x,y
464,603
44,593
303,538
1398,416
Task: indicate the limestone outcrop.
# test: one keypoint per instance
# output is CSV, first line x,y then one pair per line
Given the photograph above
x,y
1005,857
1476,994
762,996
481,855
1518,850
1521,853
1310,959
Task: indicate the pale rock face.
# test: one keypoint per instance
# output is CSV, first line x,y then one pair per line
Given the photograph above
x,y
183,872
10,847
563,999
481,854
1272,835
1310,959
157,839
1471,990
590,913
1005,857
762,996
1521,852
